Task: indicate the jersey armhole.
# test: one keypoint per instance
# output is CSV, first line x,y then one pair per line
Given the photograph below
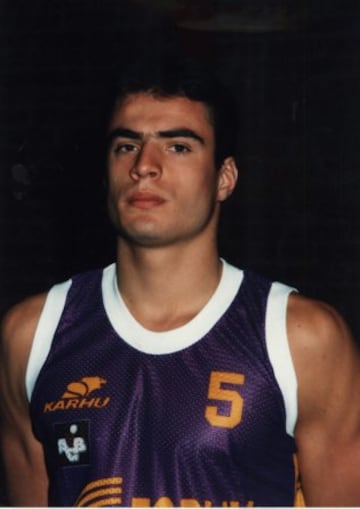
x,y
44,333
279,351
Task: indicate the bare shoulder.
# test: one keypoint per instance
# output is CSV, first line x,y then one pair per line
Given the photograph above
x,y
325,355
21,320
315,327
17,332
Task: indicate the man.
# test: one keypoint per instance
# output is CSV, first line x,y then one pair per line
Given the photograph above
x,y
171,378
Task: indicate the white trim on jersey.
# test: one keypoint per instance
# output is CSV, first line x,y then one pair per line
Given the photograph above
x,y
45,330
279,350
158,343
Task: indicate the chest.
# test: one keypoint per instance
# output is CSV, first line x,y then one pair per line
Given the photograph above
x,y
222,387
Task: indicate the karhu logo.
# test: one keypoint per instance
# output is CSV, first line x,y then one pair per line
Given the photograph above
x,y
79,395
83,387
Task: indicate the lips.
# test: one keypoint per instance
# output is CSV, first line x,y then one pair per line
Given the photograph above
x,y
145,200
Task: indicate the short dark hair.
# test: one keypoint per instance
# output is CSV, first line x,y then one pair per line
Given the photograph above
x,y
174,75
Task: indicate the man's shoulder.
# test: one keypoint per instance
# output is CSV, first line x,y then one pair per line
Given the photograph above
x,y
315,323
322,345
17,331
23,315
26,312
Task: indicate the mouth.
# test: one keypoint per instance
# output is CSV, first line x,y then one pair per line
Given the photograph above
x,y
145,200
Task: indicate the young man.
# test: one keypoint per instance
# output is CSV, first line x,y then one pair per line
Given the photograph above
x,y
171,378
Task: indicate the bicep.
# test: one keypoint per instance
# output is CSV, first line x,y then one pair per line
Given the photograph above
x,y
328,429
23,459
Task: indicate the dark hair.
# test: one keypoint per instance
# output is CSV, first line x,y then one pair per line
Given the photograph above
x,y
173,75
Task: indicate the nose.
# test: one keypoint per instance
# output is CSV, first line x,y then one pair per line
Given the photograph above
x,y
147,164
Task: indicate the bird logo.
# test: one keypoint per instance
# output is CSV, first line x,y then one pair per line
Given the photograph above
x,y
83,387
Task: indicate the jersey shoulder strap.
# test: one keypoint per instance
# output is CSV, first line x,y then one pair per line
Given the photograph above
x,y
279,350
44,333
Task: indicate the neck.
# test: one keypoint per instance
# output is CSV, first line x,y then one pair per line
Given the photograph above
x,y
166,287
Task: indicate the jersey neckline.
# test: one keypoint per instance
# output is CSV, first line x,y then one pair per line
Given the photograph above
x,y
156,343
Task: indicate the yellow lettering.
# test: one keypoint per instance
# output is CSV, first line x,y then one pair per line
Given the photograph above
x,y
140,502
189,502
68,404
59,405
87,403
236,503
101,402
164,502
72,403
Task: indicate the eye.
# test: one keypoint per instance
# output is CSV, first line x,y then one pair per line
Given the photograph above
x,y
179,148
123,148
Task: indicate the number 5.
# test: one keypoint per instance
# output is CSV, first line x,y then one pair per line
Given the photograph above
x,y
216,392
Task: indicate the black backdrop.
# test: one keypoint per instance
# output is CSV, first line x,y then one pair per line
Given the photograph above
x,y
295,214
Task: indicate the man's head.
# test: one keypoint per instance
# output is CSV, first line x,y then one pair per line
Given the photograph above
x,y
170,75
170,161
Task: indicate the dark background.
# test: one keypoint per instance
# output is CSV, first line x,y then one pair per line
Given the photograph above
x,y
294,68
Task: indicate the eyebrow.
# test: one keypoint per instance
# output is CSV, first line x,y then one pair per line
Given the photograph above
x,y
181,132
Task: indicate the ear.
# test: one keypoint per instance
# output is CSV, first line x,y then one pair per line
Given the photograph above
x,y
228,175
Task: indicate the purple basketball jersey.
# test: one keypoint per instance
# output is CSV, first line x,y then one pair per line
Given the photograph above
x,y
201,426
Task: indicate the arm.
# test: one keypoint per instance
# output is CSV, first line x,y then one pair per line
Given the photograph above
x,y
327,434
22,454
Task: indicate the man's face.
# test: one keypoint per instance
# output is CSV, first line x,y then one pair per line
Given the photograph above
x,y
163,184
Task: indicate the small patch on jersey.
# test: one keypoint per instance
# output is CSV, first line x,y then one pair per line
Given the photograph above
x,y
72,443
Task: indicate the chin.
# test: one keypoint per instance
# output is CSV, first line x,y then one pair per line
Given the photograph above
x,y
141,237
